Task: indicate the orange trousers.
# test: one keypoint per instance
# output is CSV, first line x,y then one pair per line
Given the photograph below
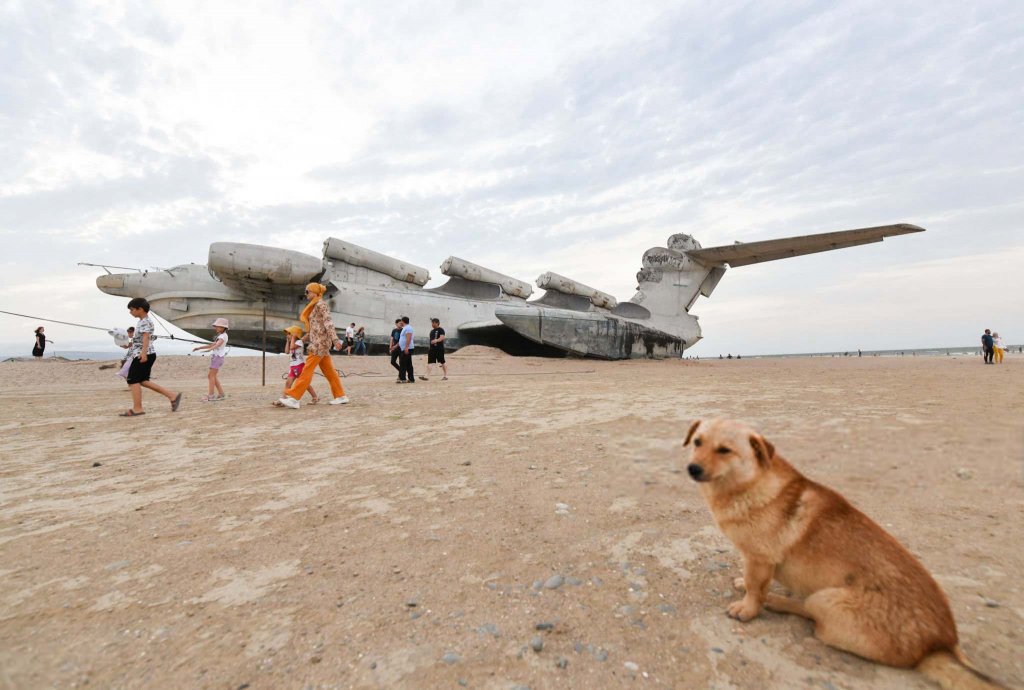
x,y
300,384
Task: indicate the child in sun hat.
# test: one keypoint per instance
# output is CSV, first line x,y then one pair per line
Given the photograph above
x,y
218,350
296,350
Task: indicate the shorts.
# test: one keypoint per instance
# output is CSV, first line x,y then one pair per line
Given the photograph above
x,y
435,355
139,371
349,341
216,361
125,366
295,371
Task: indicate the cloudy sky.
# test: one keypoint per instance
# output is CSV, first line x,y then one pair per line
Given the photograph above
x,y
528,136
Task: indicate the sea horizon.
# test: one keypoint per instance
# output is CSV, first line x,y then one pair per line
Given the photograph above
x,y
960,350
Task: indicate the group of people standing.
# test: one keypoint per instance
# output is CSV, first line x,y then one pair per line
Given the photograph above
x,y
309,347
401,349
992,347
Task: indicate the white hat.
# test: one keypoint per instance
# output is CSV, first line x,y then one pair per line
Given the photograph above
x,y
222,322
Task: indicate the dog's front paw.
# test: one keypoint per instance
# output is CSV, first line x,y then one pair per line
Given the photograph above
x,y
740,584
743,610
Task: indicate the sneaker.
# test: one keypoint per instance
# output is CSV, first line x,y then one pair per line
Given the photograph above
x,y
289,401
343,400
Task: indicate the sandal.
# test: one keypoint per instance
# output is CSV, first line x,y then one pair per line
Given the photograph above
x,y
314,401
130,413
176,403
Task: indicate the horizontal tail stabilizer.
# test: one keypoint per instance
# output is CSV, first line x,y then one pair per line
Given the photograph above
x,y
744,253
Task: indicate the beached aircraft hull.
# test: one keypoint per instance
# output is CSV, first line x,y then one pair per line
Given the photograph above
x,y
256,286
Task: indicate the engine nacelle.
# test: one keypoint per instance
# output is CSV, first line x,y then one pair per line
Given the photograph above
x,y
346,252
254,265
558,283
460,268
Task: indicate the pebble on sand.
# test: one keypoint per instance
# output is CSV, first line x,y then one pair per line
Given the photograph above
x,y
554,582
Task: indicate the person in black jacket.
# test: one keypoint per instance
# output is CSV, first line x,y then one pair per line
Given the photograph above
x,y
40,345
393,345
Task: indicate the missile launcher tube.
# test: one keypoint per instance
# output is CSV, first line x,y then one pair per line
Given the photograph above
x,y
235,261
455,267
349,253
558,283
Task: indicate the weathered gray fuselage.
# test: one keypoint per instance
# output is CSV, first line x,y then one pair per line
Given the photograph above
x,y
245,282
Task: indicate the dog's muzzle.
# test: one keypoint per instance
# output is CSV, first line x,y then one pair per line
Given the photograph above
x,y
697,472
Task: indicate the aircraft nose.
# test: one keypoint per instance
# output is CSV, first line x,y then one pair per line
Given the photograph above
x,y
110,282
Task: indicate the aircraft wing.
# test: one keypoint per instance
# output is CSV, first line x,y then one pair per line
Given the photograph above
x,y
744,253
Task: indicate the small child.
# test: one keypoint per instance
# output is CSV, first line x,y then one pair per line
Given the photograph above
x,y
126,361
295,348
218,349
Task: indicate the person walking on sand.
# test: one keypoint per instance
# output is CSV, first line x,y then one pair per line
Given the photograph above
x,y
126,361
316,318
435,349
361,341
218,350
350,338
393,346
143,356
297,351
997,348
405,343
39,347
987,346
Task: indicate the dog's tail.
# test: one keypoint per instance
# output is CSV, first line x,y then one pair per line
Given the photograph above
x,y
952,671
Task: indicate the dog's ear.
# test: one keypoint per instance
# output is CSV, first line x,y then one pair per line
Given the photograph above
x,y
763,449
689,434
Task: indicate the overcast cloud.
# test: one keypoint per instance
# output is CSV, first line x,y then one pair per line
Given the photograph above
x,y
528,136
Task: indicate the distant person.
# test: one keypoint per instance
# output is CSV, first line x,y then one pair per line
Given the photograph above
x,y
405,344
39,347
859,353
361,340
126,361
997,348
987,346
296,351
350,338
143,356
316,317
393,346
218,350
435,349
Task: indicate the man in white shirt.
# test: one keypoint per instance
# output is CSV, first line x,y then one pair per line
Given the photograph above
x,y
405,343
350,337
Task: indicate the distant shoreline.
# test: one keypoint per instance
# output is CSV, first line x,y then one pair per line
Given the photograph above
x,y
959,351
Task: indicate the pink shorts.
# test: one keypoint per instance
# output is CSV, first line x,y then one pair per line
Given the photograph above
x,y
216,361
295,371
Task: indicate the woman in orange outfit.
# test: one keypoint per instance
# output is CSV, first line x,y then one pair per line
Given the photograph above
x,y
316,318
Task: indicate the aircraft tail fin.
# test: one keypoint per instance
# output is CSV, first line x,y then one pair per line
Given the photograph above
x,y
744,253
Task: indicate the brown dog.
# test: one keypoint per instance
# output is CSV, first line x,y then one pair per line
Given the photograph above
x,y
865,593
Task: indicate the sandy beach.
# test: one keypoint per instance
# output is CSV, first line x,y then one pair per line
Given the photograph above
x,y
527,523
